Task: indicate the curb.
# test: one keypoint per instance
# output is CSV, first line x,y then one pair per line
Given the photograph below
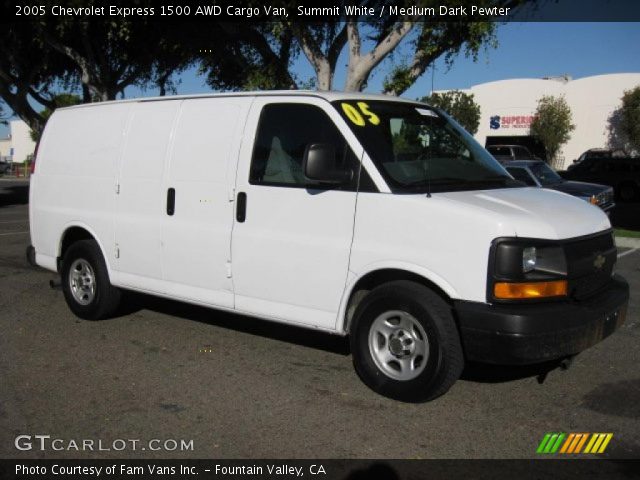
x,y
628,242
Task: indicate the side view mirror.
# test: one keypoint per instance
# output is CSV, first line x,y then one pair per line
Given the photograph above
x,y
319,165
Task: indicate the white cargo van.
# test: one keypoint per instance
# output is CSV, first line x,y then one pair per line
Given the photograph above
x,y
354,214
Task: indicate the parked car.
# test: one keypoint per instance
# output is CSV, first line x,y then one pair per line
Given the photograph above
x,y
537,173
5,168
599,153
360,215
621,173
508,153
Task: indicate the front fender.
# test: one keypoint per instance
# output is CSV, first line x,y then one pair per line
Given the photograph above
x,y
354,277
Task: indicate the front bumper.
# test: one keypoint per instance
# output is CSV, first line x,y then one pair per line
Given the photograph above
x,y
533,333
608,208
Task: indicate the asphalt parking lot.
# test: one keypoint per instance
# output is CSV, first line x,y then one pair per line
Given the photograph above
x,y
242,388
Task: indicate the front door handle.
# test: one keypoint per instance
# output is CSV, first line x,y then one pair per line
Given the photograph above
x,y
171,201
241,207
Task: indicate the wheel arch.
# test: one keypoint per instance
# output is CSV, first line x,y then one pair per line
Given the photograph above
x,y
379,274
76,232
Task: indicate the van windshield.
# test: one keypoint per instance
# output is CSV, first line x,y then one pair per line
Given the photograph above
x,y
419,149
545,175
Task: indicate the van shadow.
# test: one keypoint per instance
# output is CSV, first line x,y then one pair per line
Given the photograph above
x,y
487,373
13,194
626,215
134,302
473,372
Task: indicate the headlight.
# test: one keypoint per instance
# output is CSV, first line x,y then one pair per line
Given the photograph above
x,y
527,269
529,259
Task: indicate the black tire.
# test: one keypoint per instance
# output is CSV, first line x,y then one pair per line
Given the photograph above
x,y
627,192
445,360
105,298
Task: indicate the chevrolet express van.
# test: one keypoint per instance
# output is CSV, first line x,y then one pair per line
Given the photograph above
x,y
360,215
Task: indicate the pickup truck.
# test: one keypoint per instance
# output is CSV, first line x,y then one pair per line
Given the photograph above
x,y
536,173
599,153
507,153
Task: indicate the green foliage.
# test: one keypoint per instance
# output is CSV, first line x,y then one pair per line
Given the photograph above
x,y
460,105
30,70
3,120
399,79
624,123
247,56
406,139
447,40
552,125
60,100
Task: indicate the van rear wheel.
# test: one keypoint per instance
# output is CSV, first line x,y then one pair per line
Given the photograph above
x,y
405,343
85,282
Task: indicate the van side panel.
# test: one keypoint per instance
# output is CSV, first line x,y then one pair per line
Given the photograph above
x,y
203,161
75,177
141,201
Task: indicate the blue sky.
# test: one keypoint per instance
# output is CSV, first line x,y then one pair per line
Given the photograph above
x,y
524,50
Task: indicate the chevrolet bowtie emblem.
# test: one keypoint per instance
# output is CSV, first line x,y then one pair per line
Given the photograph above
x,y
599,261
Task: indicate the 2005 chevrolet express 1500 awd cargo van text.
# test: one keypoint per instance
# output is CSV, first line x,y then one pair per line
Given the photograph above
x,y
355,214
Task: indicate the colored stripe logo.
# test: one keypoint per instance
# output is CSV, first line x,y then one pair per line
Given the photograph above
x,y
574,443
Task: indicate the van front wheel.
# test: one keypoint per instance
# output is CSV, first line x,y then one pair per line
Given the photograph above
x,y
85,282
405,343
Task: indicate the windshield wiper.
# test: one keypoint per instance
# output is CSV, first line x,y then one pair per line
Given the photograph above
x,y
425,181
462,181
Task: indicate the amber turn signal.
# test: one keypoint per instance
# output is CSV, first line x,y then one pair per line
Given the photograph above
x,y
507,290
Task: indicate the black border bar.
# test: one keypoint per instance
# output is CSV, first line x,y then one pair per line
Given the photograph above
x,y
333,10
321,469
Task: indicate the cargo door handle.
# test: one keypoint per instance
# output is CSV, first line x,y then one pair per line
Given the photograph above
x,y
241,207
171,201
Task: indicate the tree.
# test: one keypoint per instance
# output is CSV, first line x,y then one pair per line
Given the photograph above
x,y
3,120
29,70
624,123
460,105
60,100
434,40
97,57
266,51
552,125
249,56
108,56
415,36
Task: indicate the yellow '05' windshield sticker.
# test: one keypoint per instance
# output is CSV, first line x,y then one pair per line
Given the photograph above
x,y
358,115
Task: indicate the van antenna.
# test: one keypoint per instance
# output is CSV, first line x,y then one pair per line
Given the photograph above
x,y
428,177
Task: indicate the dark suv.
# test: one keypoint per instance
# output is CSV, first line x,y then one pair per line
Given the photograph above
x,y
623,174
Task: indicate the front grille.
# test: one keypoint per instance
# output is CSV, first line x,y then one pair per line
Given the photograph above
x,y
605,198
590,264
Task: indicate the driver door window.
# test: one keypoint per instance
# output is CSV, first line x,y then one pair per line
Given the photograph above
x,y
284,133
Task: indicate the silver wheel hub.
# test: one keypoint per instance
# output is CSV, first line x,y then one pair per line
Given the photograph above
x,y
82,282
398,345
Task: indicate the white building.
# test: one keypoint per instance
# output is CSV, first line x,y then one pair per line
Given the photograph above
x,y
507,108
5,148
21,144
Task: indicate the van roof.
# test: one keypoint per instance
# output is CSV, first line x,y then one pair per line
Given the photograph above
x,y
329,96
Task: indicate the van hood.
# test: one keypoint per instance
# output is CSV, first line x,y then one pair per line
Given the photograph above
x,y
532,212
